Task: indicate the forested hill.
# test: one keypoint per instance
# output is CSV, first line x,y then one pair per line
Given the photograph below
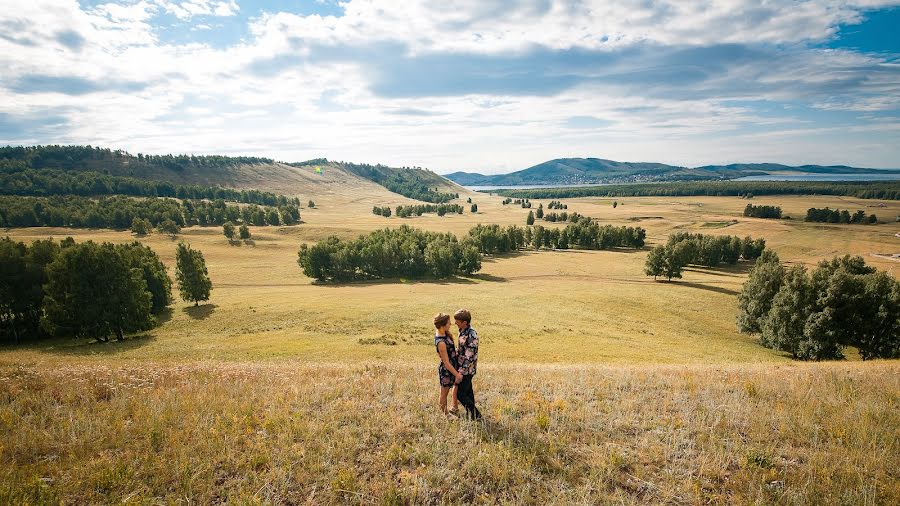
x,y
122,163
314,177
565,171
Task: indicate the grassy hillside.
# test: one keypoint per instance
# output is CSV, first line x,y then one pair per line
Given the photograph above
x,y
79,432
598,384
414,183
228,172
563,171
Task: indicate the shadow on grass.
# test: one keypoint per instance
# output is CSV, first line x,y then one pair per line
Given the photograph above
x,y
456,280
701,286
201,312
64,346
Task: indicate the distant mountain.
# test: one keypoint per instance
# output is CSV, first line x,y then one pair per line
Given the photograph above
x,y
567,171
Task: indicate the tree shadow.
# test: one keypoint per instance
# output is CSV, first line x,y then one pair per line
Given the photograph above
x,y
164,316
702,286
83,347
455,280
200,312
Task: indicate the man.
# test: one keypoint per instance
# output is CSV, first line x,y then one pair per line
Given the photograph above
x,y
468,362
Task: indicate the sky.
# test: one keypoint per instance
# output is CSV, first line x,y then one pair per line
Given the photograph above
x,y
475,85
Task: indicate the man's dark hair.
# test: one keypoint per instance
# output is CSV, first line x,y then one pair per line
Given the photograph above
x,y
463,315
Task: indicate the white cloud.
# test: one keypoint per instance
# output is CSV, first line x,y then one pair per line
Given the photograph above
x,y
319,94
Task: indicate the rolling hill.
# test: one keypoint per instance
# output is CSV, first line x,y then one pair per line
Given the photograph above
x,y
310,178
567,171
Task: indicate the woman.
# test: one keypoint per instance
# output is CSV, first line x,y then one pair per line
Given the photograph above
x,y
448,376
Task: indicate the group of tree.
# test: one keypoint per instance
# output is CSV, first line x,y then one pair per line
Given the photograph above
x,y
88,289
412,253
683,249
525,203
120,212
827,215
399,253
418,210
861,189
813,316
555,204
229,230
752,211
563,216
382,211
494,239
48,182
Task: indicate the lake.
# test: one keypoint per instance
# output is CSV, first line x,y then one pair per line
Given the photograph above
x,y
768,177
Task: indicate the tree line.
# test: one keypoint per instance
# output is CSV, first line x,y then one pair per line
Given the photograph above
x,y
411,253
119,212
404,252
827,215
418,210
753,211
46,182
88,289
861,189
683,249
87,157
815,315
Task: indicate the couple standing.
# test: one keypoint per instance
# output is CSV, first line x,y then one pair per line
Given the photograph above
x,y
458,362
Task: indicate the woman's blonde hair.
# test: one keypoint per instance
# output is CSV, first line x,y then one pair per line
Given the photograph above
x,y
441,319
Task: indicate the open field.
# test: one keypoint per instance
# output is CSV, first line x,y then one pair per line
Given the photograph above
x,y
359,434
540,307
599,384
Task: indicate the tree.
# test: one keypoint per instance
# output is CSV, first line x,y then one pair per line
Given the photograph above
x,y
470,259
154,272
169,226
228,230
615,204
193,279
667,261
311,204
755,299
141,226
784,326
540,211
244,232
879,336
469,200
655,264
474,208
93,291
530,220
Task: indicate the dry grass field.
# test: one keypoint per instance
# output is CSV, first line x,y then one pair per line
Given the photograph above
x,y
599,384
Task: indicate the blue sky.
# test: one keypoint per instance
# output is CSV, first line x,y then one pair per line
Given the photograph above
x,y
478,85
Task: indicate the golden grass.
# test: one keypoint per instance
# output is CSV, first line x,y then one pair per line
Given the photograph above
x,y
540,307
599,385
300,433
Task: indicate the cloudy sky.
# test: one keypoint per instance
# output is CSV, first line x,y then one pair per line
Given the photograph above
x,y
477,85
